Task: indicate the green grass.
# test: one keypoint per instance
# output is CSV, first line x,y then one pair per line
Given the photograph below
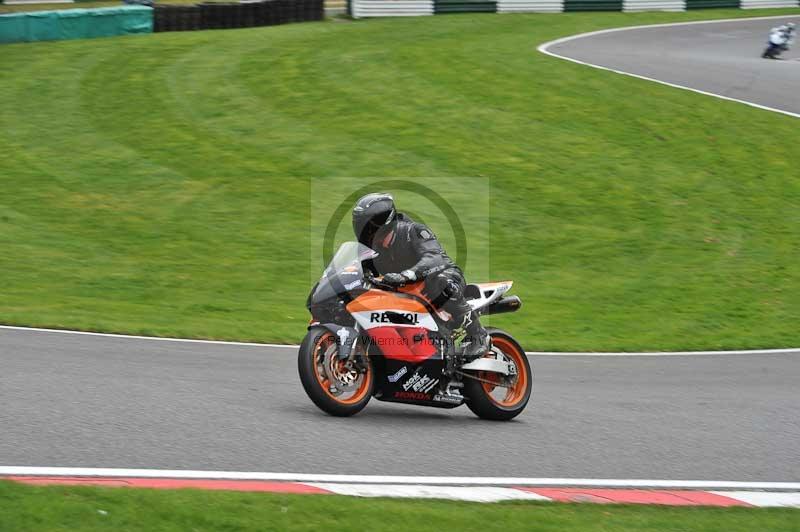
x,y
161,184
44,509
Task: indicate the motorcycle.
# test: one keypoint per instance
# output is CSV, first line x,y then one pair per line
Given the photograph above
x,y
778,42
774,50
368,339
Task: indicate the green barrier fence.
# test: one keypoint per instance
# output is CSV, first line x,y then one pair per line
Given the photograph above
x,y
42,26
75,23
11,25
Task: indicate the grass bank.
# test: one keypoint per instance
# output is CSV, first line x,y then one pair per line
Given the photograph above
x,y
161,184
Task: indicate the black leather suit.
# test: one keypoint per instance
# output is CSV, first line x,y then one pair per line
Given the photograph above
x,y
413,246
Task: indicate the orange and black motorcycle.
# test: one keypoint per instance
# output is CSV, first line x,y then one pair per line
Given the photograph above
x,y
367,339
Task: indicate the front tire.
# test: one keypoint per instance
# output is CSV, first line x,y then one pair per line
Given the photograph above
x,y
333,387
481,394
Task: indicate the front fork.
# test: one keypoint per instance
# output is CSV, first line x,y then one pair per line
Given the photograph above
x,y
356,352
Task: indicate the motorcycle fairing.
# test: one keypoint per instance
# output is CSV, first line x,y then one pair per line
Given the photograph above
x,y
404,382
376,308
481,295
397,324
345,336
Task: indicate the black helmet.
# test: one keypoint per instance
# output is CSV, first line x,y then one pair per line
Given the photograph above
x,y
371,214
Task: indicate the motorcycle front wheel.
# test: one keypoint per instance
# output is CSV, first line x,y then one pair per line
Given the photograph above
x,y
333,385
498,397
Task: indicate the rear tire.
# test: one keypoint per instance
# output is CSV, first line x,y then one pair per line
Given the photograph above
x,y
479,394
317,352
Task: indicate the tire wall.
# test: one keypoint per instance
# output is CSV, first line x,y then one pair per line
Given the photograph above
x,y
218,15
708,4
124,20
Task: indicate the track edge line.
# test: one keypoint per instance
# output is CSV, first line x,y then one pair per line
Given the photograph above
x,y
544,48
781,351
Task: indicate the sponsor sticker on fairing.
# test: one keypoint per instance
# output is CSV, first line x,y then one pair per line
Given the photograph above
x,y
343,335
394,317
448,399
399,373
420,383
370,319
416,396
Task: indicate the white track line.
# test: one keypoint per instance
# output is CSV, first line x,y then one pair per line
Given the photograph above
x,y
399,480
791,351
760,498
134,337
787,351
544,48
459,493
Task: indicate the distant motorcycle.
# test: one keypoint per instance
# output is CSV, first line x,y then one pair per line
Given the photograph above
x,y
780,40
774,50
367,339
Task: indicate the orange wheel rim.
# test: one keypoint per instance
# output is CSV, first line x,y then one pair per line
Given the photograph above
x,y
322,356
516,389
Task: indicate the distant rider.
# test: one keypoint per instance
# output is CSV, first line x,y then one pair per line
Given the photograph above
x,y
780,39
411,248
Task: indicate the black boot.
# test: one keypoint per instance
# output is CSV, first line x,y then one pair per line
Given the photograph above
x,y
477,341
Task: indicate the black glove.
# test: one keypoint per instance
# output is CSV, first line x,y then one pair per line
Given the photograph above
x,y
399,279
394,279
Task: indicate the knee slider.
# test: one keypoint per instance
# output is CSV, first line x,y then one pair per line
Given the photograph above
x,y
452,289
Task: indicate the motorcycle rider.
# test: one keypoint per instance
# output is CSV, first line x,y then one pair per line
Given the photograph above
x,y
780,39
409,251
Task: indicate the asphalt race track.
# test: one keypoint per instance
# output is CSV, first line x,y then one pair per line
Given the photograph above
x,y
93,401
721,58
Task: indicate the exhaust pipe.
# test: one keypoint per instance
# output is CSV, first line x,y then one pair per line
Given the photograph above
x,y
506,304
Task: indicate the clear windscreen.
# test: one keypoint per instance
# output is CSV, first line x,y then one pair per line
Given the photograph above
x,y
344,273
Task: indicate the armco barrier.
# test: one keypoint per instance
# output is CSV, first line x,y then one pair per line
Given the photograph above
x,y
393,8
653,5
760,4
404,8
530,6
75,24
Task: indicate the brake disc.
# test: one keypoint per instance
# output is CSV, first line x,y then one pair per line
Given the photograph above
x,y
342,376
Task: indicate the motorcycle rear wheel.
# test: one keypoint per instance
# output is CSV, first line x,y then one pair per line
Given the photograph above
x,y
328,382
481,392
